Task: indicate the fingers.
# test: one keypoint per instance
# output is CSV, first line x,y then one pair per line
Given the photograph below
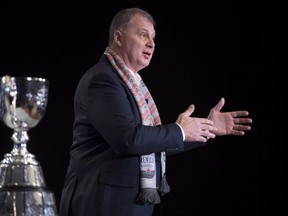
x,y
201,138
207,134
208,126
238,128
207,123
199,129
239,113
238,119
241,128
242,120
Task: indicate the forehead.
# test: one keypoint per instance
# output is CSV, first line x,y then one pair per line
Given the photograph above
x,y
141,22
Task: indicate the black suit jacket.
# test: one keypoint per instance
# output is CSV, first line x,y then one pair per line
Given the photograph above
x,y
108,138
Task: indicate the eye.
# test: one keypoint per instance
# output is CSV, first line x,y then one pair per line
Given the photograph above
x,y
143,35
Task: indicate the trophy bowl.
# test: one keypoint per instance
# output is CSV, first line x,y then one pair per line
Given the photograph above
x,y
23,102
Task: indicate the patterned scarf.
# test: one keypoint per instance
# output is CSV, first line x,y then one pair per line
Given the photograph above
x,y
150,117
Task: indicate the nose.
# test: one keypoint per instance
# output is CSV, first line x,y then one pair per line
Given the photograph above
x,y
150,43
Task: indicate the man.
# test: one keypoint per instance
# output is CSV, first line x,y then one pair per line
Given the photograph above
x,y
117,159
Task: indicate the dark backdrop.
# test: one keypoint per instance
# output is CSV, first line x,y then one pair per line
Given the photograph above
x,y
204,50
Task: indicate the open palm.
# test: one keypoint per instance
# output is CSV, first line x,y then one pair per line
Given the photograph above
x,y
229,123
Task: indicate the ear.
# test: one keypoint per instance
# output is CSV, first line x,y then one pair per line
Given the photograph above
x,y
118,37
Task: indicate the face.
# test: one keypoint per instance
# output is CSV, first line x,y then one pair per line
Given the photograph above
x,y
136,45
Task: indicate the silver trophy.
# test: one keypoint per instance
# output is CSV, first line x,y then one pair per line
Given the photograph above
x,y
23,191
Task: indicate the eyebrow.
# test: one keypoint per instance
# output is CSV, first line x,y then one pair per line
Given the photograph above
x,y
146,30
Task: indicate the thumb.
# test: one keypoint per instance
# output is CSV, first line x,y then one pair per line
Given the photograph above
x,y
220,104
189,111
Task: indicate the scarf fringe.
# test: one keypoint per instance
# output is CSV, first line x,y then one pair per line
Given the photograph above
x,y
164,187
148,196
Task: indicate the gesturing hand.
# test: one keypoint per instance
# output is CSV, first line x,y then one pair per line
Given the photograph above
x,y
196,129
229,123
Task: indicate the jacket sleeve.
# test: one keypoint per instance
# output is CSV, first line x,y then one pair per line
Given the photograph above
x,y
114,113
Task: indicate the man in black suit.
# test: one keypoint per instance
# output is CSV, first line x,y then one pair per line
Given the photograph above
x,y
117,159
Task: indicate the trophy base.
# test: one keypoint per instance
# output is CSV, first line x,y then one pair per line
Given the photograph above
x,y
18,172
23,191
27,202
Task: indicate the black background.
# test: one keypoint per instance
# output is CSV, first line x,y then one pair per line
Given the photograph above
x,y
204,50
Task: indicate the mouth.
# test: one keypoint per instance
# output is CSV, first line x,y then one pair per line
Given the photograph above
x,y
147,54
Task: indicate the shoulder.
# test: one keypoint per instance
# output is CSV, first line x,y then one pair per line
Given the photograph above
x,y
101,77
99,72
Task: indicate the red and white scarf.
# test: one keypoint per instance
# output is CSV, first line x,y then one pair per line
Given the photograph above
x,y
150,117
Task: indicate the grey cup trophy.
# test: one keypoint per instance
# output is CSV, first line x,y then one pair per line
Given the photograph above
x,y
23,191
